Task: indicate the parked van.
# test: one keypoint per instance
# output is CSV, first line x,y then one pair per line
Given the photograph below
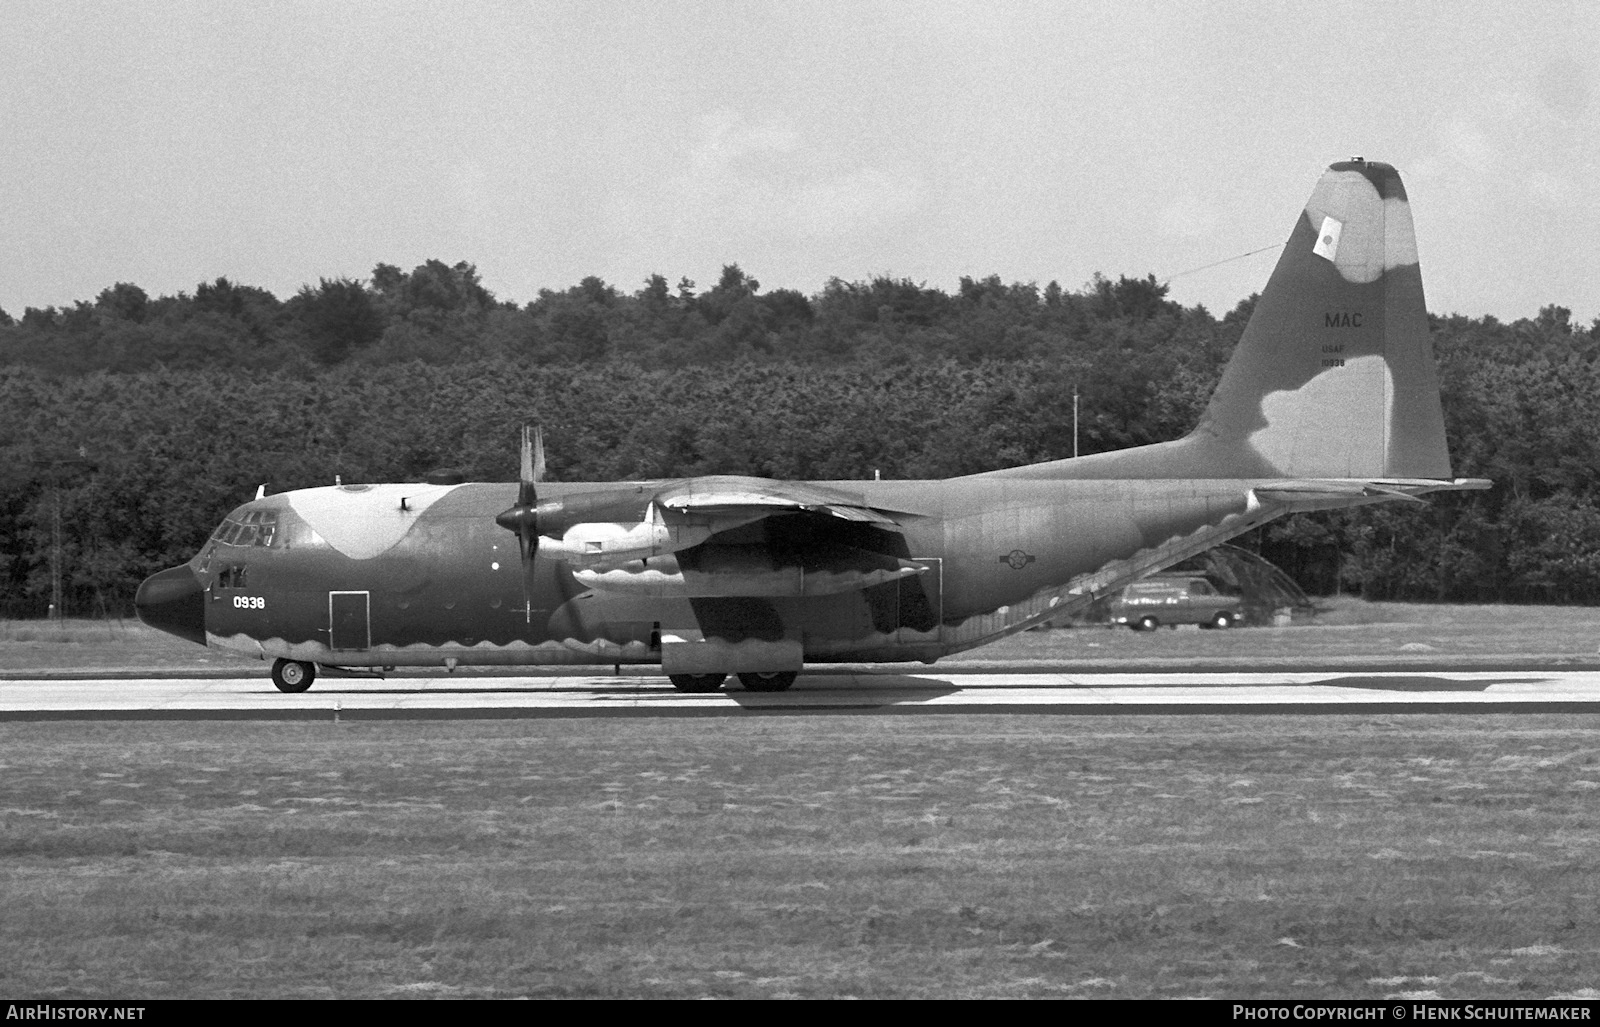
x,y
1148,604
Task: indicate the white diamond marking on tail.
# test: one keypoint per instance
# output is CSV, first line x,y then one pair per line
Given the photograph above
x,y
1327,245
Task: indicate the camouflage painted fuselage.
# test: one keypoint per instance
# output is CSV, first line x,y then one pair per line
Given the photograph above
x,y
346,576
1330,400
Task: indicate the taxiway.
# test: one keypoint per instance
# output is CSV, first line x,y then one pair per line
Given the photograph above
x,y
922,691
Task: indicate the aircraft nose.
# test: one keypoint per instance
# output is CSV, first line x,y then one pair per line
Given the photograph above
x,y
173,601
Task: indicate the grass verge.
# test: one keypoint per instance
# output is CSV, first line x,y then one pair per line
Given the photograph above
x,y
824,856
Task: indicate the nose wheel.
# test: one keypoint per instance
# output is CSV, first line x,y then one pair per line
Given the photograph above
x,y
293,675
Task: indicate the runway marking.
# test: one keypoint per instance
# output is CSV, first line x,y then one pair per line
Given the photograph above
x,y
925,691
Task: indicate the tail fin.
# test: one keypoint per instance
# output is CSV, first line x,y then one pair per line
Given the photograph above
x,y
1334,375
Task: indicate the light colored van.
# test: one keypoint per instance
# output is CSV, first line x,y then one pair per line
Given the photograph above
x,y
1148,604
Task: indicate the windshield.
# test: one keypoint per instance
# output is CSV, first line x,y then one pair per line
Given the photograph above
x,y
250,528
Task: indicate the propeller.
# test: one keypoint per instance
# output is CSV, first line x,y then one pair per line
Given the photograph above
x,y
523,519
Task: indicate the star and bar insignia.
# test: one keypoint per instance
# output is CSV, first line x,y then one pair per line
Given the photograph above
x,y
1017,559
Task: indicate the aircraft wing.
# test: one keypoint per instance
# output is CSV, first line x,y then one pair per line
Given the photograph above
x,y
733,536
743,499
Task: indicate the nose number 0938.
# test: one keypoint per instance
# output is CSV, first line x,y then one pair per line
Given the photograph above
x,y
249,603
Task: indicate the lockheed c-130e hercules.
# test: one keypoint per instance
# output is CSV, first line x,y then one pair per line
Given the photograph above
x,y
1330,400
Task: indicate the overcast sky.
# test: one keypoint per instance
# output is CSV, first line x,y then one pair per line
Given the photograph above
x,y
167,143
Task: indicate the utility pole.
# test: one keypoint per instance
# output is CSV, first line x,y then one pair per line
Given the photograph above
x,y
1074,422
55,554
55,464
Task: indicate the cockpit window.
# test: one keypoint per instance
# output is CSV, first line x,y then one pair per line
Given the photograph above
x,y
252,528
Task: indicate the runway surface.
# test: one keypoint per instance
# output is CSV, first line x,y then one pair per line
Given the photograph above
x,y
928,691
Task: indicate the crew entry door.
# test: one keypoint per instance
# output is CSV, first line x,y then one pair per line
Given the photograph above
x,y
349,620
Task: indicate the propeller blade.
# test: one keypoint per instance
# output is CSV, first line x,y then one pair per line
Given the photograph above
x,y
527,454
523,518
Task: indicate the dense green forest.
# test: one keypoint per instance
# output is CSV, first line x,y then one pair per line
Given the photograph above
x,y
129,425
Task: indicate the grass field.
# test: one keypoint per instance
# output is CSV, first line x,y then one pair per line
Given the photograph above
x,y
819,856
804,856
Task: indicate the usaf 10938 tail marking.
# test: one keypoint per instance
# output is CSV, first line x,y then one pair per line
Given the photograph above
x,y
1330,400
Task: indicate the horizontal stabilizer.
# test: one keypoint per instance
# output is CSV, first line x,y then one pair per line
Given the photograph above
x,y
1334,492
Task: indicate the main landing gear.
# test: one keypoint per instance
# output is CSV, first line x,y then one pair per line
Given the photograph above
x,y
775,681
696,682
292,675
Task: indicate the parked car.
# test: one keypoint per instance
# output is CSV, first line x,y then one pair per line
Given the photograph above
x,y
1148,604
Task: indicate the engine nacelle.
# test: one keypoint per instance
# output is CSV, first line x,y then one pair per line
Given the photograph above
x,y
602,544
729,572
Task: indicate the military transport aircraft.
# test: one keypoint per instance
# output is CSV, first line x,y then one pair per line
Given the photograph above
x,y
1330,400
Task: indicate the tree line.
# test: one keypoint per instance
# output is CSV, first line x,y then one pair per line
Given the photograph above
x,y
440,314
142,421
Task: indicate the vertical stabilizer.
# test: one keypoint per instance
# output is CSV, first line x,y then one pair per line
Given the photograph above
x,y
1334,375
